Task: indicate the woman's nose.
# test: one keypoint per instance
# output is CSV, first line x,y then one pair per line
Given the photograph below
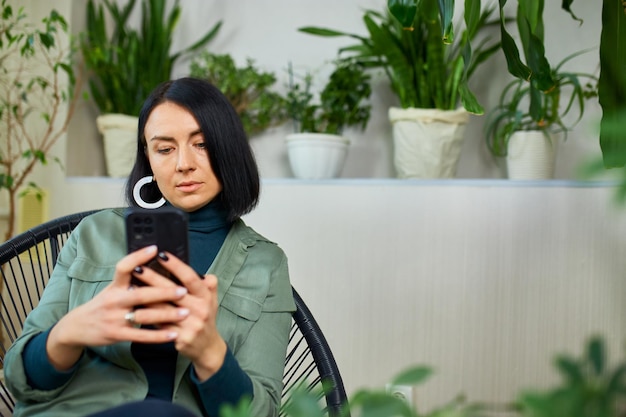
x,y
185,161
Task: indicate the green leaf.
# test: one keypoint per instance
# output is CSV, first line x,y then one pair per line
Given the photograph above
x,y
617,381
413,376
570,369
6,181
404,11
612,84
241,409
566,5
446,12
322,31
596,355
46,39
303,403
379,404
515,65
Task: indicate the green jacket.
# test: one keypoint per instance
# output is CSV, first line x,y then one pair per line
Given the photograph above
x,y
254,319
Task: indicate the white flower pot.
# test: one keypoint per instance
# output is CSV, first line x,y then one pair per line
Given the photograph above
x,y
427,142
531,155
119,133
316,155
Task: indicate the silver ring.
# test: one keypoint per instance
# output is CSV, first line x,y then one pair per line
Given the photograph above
x,y
130,318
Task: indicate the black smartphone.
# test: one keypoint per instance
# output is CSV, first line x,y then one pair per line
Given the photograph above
x,y
165,227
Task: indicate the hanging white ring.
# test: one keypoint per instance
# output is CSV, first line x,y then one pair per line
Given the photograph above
x,y
137,194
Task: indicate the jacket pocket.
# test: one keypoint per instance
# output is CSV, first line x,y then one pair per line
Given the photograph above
x,y
86,280
237,315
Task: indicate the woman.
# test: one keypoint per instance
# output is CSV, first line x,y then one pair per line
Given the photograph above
x,y
205,343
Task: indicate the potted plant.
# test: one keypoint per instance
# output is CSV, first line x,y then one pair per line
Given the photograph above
x,y
38,93
523,127
125,65
247,88
317,149
429,77
612,78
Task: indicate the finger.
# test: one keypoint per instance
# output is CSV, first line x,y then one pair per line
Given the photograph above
x,y
127,264
210,281
153,277
185,274
162,314
147,295
135,334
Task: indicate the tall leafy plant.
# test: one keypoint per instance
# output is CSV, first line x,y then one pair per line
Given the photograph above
x,y
127,63
37,97
408,43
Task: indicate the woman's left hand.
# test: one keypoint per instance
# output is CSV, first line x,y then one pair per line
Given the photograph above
x,y
198,337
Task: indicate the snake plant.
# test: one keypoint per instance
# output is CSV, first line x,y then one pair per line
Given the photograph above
x,y
128,63
424,70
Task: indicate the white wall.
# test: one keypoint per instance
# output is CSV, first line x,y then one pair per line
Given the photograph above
x,y
484,279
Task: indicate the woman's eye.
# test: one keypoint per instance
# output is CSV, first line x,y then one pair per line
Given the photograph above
x,y
201,145
164,150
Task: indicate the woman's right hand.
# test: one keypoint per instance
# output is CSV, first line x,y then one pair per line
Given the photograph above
x,y
102,320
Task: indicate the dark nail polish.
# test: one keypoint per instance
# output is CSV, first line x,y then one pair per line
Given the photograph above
x,y
138,270
163,256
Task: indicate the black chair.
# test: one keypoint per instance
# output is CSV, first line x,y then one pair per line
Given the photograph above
x,y
27,260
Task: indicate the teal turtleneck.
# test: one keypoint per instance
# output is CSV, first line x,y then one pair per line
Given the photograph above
x,y
208,227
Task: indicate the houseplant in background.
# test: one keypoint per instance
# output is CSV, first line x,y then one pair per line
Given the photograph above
x,y
248,88
612,78
429,77
317,149
38,93
526,124
125,65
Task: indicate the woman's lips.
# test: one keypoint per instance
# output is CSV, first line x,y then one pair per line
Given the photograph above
x,y
188,187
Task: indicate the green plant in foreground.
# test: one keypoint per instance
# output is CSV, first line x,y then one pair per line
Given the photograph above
x,y
303,402
247,88
342,101
590,387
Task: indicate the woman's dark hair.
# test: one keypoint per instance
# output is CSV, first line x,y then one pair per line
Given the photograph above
x,y
226,141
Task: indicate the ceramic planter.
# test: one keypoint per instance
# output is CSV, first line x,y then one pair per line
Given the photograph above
x,y
119,133
427,142
316,155
531,155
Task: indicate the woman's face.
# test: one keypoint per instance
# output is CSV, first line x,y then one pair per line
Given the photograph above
x,y
178,157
